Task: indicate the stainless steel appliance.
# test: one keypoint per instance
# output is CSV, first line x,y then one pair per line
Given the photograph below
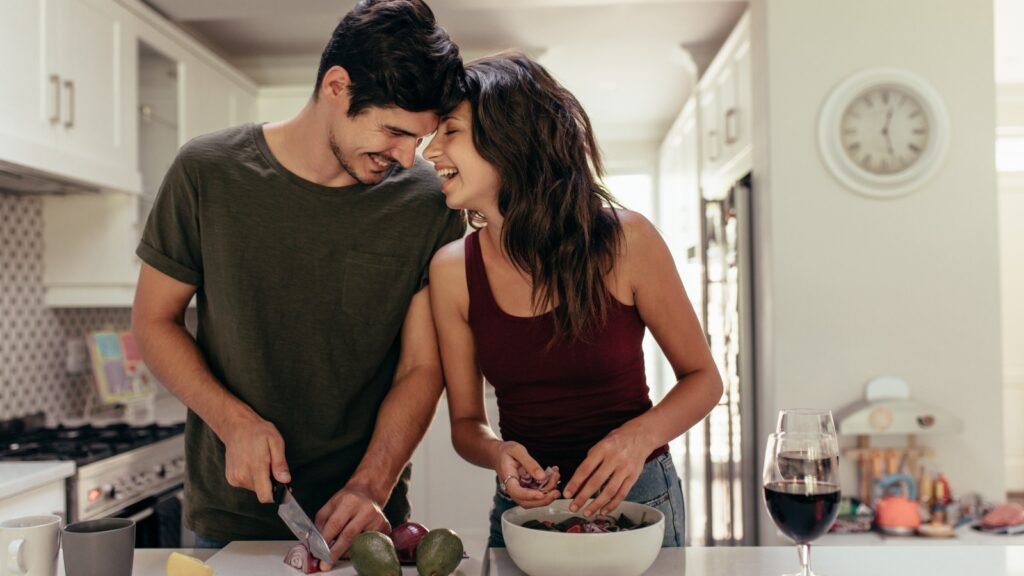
x,y
721,456
123,471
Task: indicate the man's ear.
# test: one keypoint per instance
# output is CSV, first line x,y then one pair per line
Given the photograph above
x,y
335,84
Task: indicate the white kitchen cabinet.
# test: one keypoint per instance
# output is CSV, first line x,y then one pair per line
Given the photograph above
x,y
46,499
33,488
726,102
28,114
213,101
679,217
64,114
447,491
175,90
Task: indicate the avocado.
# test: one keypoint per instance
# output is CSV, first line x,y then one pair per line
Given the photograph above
x,y
373,554
438,553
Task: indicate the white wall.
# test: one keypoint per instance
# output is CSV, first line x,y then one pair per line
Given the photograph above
x,y
1010,119
854,287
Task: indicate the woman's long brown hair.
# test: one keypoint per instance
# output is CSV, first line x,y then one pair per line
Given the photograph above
x,y
539,138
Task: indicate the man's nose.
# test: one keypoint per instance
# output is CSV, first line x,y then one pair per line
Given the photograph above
x,y
405,153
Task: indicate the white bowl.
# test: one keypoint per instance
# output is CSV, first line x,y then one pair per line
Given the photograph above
x,y
542,553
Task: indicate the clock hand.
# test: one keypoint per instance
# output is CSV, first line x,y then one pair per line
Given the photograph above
x,y
885,131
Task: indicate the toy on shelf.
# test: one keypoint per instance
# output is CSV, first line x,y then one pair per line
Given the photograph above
x,y
888,410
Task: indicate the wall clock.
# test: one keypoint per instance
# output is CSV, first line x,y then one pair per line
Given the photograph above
x,y
883,132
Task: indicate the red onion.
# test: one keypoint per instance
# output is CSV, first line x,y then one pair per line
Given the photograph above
x,y
406,537
298,557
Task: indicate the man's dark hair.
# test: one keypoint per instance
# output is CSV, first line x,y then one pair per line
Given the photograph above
x,y
395,55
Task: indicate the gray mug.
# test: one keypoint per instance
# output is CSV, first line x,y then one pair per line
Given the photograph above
x,y
104,547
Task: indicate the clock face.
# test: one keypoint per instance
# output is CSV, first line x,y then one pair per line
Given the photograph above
x,y
884,130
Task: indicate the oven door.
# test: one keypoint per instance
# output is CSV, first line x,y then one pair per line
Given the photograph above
x,y
158,520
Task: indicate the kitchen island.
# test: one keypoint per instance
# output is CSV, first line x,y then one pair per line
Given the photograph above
x,y
265,559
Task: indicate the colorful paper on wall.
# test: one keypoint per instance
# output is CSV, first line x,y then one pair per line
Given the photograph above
x,y
121,376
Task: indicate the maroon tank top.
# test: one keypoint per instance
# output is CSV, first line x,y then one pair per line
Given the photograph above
x,y
556,402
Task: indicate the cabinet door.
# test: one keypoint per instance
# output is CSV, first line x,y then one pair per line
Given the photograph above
x,y
208,96
726,92
93,90
711,135
45,499
28,106
744,94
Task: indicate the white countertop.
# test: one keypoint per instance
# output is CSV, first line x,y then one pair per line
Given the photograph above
x,y
19,477
825,561
152,561
266,559
254,558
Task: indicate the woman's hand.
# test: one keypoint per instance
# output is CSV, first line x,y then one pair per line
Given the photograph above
x,y
514,462
611,466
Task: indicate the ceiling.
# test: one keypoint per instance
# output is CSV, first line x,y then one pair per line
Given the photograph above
x,y
630,62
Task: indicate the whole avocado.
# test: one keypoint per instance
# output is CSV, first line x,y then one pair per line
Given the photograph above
x,y
438,553
373,554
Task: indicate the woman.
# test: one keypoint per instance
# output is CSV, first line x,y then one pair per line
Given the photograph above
x,y
549,300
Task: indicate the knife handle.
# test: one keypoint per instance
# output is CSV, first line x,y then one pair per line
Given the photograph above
x,y
280,490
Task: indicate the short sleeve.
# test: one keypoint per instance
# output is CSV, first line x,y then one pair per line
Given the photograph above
x,y
171,239
454,228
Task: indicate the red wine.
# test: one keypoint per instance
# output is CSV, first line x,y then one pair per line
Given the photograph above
x,y
802,511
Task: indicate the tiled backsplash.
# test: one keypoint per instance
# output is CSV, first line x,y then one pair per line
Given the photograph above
x,y
33,338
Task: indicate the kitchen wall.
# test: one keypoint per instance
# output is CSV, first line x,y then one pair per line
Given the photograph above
x,y
853,287
1010,119
33,337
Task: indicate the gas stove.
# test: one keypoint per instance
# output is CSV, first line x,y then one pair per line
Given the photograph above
x,y
118,464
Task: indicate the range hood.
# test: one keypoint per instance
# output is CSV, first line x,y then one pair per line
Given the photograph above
x,y
18,179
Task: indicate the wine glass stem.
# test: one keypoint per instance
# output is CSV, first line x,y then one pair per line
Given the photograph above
x,y
805,559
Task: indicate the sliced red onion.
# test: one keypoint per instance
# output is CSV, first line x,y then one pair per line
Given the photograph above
x,y
298,557
526,480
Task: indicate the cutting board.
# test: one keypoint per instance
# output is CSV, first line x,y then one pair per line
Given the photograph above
x,y
254,558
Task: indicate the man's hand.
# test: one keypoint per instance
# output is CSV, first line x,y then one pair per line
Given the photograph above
x,y
350,512
253,450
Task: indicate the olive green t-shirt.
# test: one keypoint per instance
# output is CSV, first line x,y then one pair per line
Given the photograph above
x,y
301,294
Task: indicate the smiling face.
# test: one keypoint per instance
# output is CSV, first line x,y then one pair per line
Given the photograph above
x,y
467,180
369,144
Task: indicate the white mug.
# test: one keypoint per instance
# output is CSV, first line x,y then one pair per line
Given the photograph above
x,y
29,545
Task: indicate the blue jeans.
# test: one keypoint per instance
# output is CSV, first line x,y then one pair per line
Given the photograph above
x,y
658,486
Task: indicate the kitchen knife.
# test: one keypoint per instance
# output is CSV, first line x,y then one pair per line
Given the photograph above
x,y
299,523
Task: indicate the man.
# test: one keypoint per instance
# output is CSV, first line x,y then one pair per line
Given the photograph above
x,y
306,244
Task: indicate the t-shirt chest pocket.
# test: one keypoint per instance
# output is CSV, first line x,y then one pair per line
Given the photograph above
x,y
376,288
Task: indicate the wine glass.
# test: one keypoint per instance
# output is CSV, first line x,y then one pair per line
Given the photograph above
x,y
801,487
806,420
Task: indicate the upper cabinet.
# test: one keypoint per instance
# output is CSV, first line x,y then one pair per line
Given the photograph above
x,y
170,91
64,113
726,103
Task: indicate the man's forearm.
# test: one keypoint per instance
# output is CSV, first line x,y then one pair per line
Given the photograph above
x,y
402,421
173,357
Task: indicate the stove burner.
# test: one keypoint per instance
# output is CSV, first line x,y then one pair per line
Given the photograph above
x,y
83,444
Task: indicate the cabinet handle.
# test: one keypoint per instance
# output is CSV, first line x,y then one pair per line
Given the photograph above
x,y
713,146
732,126
55,80
70,86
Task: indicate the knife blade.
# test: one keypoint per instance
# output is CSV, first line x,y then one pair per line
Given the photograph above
x,y
299,523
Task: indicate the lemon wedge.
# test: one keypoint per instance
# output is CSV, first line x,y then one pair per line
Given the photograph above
x,y
179,564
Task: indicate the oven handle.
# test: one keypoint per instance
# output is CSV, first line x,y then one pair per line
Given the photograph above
x,y
140,516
